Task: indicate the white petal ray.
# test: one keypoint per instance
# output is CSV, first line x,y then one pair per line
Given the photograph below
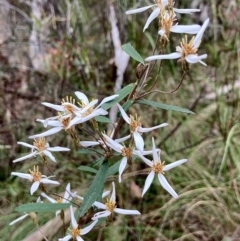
x,y
22,175
148,182
139,10
99,205
106,193
148,162
119,140
58,148
50,155
126,212
177,10
138,141
124,114
203,63
95,113
76,120
55,107
73,220
48,198
67,192
192,59
79,238
89,143
174,164
154,152
48,181
34,187
189,29
102,214
50,122
113,196
161,32
107,99
164,56
25,157
198,38
19,219
88,228
166,185
81,96
25,144
122,167
66,238
87,107
52,131
113,144
152,16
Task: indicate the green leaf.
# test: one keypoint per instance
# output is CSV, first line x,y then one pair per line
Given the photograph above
x,y
87,169
164,106
95,189
122,94
41,207
128,48
98,162
113,169
103,119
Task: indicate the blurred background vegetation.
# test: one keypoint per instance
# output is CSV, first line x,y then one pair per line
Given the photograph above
x,y
49,49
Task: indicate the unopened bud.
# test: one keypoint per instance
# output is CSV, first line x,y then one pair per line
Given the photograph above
x,y
140,70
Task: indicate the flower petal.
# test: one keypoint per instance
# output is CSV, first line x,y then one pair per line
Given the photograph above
x,y
166,185
148,162
25,157
126,212
189,29
138,140
79,238
152,16
19,219
124,114
121,168
155,154
164,56
47,133
148,182
113,144
102,214
73,220
58,148
88,228
48,181
49,154
55,107
25,144
82,97
198,38
22,175
119,140
139,10
66,238
113,196
174,164
105,194
89,143
48,198
107,99
186,10
34,187
192,58
99,205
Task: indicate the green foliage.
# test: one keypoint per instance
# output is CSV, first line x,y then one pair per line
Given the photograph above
x,y
128,48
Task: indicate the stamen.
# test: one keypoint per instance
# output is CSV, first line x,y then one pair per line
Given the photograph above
x,y
40,144
36,175
134,123
75,232
110,205
158,167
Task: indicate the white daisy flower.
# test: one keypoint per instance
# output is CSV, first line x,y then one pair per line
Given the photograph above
x,y
159,5
126,152
88,111
75,233
25,215
137,129
188,51
36,177
159,168
40,147
68,196
110,207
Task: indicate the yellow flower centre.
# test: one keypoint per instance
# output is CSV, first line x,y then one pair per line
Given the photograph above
x,y
59,200
158,167
36,175
65,122
40,144
75,232
187,48
166,22
110,205
88,111
67,107
127,152
134,123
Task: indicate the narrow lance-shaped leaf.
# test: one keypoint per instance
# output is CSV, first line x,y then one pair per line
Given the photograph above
x,y
95,189
164,106
121,95
41,207
87,169
128,48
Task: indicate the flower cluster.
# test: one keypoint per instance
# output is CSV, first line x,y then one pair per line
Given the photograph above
x,y
84,115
